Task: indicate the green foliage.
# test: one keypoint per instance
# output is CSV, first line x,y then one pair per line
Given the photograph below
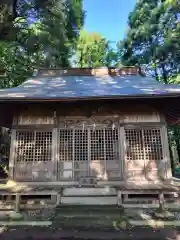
x,y
60,25
8,13
152,37
93,51
46,32
174,141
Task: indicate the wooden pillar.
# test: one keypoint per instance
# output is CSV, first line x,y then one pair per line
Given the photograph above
x,y
12,154
58,199
122,152
17,203
161,200
166,155
59,195
55,154
119,198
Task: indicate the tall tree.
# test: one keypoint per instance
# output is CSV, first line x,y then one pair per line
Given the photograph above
x,y
60,25
152,37
11,9
93,50
45,37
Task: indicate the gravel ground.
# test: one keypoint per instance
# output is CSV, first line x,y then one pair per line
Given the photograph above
x,y
51,233
66,229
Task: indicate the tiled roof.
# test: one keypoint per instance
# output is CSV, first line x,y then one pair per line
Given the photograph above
x,y
65,84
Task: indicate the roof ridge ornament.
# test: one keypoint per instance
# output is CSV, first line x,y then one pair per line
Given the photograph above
x,y
100,71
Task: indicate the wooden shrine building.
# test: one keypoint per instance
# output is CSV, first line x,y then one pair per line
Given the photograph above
x,y
95,127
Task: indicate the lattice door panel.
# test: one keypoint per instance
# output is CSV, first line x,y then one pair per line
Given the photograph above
x,y
43,146
155,166
73,152
134,158
153,146
24,146
81,154
143,153
66,154
134,144
104,154
33,155
88,153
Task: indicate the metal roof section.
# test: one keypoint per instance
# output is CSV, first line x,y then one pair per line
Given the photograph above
x,y
85,83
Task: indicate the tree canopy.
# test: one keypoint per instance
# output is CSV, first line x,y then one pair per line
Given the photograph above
x,y
49,33
153,37
93,50
45,36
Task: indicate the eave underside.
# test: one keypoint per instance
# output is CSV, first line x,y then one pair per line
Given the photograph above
x,y
168,107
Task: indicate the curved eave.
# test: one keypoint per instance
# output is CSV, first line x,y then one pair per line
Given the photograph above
x,y
70,88
82,98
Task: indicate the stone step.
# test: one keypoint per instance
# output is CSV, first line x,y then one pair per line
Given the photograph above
x,y
66,209
88,207
82,223
81,217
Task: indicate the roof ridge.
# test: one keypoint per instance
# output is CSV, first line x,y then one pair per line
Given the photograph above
x,y
99,71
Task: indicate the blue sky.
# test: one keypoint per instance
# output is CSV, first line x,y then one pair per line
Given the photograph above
x,y
108,17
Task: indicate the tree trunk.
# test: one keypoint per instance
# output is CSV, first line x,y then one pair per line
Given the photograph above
x,y
81,60
155,70
164,73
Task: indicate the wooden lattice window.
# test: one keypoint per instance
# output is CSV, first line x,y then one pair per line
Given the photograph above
x,y
33,146
80,145
153,144
143,144
104,144
134,144
73,153
66,145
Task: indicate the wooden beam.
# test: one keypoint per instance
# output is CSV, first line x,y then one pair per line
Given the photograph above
x,y
41,127
26,193
142,125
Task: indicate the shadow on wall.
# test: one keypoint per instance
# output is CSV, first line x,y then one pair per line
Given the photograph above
x,y
5,140
144,157
144,154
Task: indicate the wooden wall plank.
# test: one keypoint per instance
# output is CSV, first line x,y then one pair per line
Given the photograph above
x,y
43,114
142,117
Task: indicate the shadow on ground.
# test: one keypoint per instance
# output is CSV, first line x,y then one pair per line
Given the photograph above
x,y
58,233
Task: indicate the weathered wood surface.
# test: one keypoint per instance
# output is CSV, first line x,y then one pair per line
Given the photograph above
x,y
133,113
161,200
94,107
53,188
51,118
42,159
